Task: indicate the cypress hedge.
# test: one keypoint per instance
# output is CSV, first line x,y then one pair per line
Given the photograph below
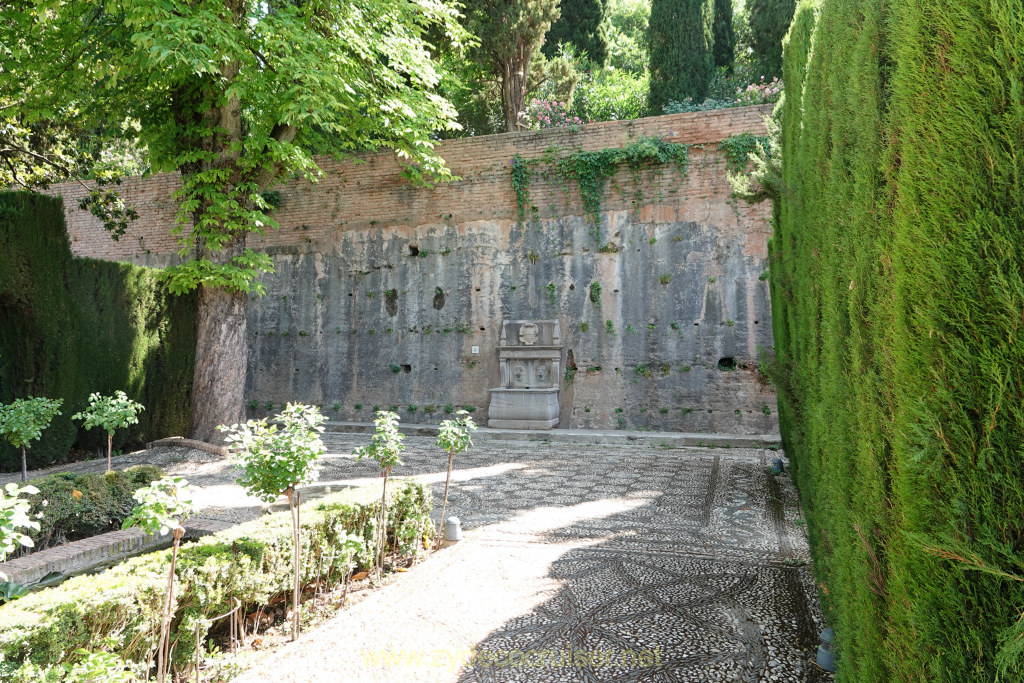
x,y
680,42
70,326
897,278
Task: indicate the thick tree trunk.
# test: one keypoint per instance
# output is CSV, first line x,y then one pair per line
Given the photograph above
x,y
515,72
218,385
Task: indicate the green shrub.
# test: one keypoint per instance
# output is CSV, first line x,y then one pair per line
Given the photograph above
x,y
610,95
101,505
250,563
897,293
70,326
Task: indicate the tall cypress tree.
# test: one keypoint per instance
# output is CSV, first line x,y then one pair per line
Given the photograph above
x,y
769,21
725,41
583,23
680,40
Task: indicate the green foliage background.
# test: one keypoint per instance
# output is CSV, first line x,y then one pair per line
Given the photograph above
x,y
897,276
680,40
584,23
724,42
72,326
769,21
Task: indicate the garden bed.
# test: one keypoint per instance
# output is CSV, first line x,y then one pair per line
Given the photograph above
x,y
239,572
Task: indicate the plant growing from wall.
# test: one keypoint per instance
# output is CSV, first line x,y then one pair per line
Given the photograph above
x,y
595,294
276,459
453,437
590,170
551,293
163,507
385,449
739,148
110,413
23,421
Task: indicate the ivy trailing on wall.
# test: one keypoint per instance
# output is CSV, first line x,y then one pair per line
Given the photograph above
x,y
590,171
738,148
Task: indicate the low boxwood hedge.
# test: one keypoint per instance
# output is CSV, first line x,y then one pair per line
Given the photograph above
x,y
77,506
119,610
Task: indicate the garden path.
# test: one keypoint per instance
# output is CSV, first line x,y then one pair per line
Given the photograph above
x,y
582,563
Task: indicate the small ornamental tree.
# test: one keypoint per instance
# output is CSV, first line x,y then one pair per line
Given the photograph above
x,y
14,516
163,506
24,419
454,438
386,449
110,413
276,459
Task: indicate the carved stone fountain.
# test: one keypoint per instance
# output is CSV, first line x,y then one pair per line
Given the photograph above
x,y
530,359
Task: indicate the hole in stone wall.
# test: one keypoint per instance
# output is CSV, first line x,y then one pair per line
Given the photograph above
x,y
391,302
755,322
477,289
438,299
406,367
727,363
572,287
414,250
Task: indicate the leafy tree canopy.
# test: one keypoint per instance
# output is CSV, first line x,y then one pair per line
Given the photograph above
x,y
234,94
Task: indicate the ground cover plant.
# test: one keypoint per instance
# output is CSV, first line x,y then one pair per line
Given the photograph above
x,y
897,299
70,507
238,571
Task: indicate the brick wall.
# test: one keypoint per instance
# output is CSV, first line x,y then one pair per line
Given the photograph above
x,y
354,196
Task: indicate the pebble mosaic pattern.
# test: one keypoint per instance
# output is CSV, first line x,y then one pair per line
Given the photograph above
x,y
697,575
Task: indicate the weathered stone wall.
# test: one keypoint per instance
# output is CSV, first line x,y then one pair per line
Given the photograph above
x,y
382,290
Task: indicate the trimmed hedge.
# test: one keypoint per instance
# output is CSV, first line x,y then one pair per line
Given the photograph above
x,y
897,277
69,327
251,563
103,503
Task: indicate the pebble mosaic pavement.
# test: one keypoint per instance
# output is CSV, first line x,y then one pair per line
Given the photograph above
x,y
582,563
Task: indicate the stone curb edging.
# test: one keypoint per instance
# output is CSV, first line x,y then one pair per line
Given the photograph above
x,y
191,443
78,556
580,436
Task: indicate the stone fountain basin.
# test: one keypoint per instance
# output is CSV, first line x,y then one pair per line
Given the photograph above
x,y
523,408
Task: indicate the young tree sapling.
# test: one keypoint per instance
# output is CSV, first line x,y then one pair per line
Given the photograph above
x,y
277,458
24,419
385,448
110,413
454,437
163,506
